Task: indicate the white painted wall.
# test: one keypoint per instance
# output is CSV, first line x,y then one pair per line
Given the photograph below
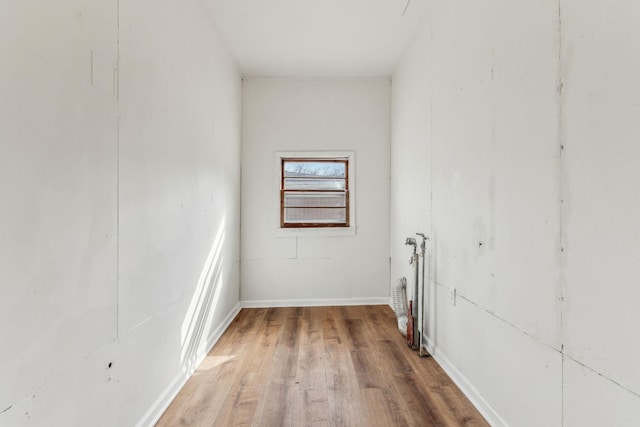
x,y
410,162
533,203
600,132
315,115
119,227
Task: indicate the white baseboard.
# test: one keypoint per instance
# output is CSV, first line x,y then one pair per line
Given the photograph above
x,y
314,302
492,417
161,404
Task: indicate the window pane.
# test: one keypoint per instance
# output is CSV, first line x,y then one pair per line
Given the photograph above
x,y
315,215
326,169
314,192
315,199
314,184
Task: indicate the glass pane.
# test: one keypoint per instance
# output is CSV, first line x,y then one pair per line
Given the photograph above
x,y
317,169
315,215
314,184
315,199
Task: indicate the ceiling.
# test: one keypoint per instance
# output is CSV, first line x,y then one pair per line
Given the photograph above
x,y
316,38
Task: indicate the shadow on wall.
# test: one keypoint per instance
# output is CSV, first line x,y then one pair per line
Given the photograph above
x,y
198,320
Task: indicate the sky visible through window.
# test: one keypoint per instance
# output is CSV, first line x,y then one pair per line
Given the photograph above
x,y
319,169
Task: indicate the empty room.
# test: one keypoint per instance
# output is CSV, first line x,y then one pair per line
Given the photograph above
x,y
327,213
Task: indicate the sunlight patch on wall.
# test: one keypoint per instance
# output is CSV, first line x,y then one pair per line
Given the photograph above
x,y
197,325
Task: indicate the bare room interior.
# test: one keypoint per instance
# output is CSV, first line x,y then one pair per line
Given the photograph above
x,y
143,146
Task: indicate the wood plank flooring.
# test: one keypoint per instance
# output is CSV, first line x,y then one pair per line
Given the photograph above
x,y
318,366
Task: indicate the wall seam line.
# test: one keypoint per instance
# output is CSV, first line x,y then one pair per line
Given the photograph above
x,y
506,322
118,172
561,192
606,377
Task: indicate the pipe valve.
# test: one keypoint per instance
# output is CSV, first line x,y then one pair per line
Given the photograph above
x,y
423,245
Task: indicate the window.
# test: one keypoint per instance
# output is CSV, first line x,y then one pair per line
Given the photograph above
x,y
314,192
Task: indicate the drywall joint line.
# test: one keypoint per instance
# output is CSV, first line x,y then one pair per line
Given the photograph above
x,y
405,8
622,386
66,369
240,196
163,310
561,194
389,168
493,314
433,263
117,89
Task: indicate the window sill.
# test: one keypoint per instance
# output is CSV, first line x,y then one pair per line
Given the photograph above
x,y
316,232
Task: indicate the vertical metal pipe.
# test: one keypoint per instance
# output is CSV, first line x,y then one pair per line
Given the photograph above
x,y
423,249
416,323
412,325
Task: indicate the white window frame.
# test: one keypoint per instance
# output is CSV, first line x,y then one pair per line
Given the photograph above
x,y
316,231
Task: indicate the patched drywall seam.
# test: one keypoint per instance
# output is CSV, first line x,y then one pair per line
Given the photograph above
x,y
458,295
603,376
117,92
564,147
561,216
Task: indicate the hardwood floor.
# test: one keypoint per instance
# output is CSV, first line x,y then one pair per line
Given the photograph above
x,y
318,366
